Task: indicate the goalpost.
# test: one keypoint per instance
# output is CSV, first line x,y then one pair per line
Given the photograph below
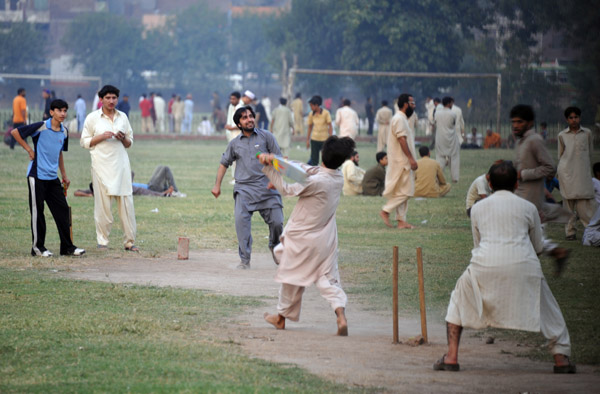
x,y
58,78
293,71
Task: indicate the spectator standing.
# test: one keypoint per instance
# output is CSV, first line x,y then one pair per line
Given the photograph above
x,y
145,107
19,106
282,126
447,143
383,117
346,120
80,112
124,105
160,107
188,115
177,114
370,113
170,113
574,171
319,129
47,100
298,109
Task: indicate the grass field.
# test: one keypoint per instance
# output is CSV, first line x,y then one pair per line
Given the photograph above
x,y
29,320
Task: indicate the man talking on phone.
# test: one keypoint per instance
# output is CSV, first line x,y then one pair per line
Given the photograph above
x,y
107,134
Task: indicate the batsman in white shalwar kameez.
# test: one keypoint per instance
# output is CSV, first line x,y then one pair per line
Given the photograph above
x,y
504,286
308,248
447,145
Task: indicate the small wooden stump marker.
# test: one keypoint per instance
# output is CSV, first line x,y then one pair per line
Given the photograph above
x,y
183,248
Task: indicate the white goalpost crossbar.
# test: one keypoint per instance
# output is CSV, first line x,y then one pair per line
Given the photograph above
x,y
293,71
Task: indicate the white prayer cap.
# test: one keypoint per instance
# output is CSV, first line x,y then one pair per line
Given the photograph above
x,y
249,94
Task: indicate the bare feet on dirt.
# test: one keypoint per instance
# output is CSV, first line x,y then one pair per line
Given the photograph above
x,y
342,323
277,321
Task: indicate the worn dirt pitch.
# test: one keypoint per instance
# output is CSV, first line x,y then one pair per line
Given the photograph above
x,y
365,358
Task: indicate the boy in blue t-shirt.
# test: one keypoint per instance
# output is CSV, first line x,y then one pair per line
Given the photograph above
x,y
49,138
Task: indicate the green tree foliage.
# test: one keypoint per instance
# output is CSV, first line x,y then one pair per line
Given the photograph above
x,y
109,46
20,44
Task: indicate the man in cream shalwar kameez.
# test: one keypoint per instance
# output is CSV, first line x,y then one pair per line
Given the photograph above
x,y
308,248
383,117
399,178
107,133
504,286
447,144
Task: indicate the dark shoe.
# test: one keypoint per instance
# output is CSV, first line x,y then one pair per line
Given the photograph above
x,y
569,368
75,252
132,248
571,237
440,365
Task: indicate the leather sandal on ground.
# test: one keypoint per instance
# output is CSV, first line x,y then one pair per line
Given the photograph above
x,y
132,248
569,368
440,365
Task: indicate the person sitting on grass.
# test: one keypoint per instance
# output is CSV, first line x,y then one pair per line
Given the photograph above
x,y
373,182
308,248
50,139
504,286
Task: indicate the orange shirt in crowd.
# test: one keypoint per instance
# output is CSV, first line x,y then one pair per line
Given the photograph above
x,y
19,108
492,141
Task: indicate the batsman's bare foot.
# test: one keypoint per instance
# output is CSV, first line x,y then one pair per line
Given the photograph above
x,y
277,321
403,224
342,323
386,218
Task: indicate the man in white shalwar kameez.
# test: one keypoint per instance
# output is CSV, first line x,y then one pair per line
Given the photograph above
x,y
308,248
107,134
447,143
504,286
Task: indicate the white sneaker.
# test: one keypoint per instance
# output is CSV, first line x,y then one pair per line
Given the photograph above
x,y
47,253
178,194
78,252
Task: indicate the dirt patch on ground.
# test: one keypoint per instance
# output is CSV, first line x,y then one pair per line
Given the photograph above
x,y
366,357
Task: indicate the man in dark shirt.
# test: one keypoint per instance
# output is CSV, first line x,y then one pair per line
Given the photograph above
x,y
374,179
124,105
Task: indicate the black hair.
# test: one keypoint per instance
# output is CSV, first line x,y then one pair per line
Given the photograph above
x,y
58,104
236,94
503,176
380,155
316,100
282,101
423,151
570,110
298,95
403,99
384,103
106,89
437,100
336,151
596,167
523,111
241,111
20,90
346,102
447,100
543,124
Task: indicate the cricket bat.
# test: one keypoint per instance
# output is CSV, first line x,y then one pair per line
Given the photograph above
x,y
288,168
65,187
